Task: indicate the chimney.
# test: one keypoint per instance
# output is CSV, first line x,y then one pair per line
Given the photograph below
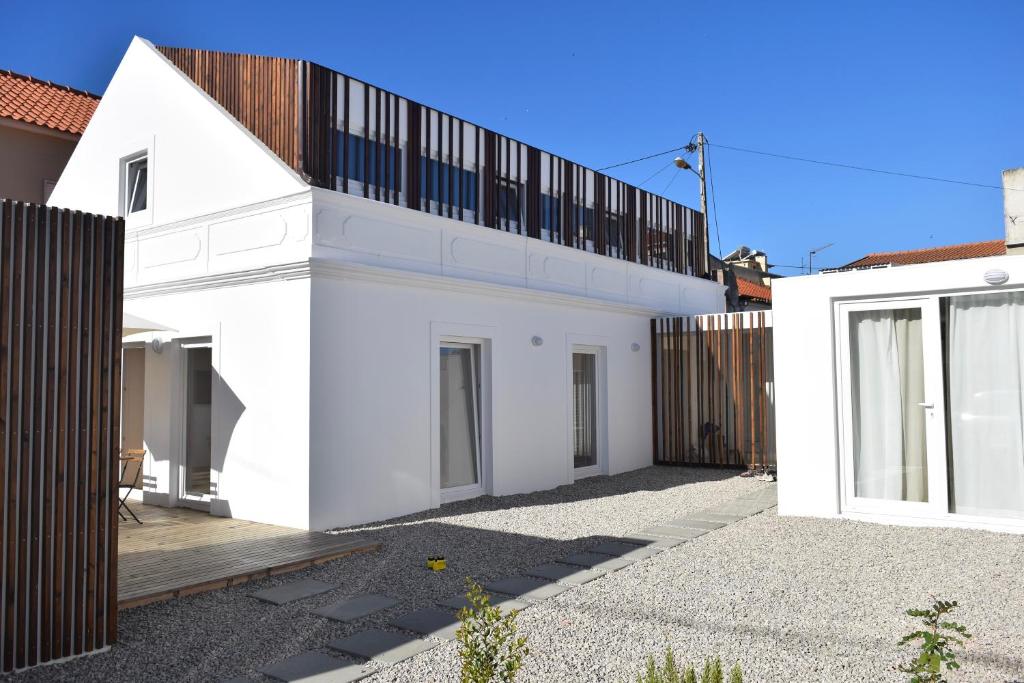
x,y
1013,209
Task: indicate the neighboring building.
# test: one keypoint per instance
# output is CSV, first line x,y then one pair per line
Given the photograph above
x,y
900,384
953,252
745,272
40,124
377,307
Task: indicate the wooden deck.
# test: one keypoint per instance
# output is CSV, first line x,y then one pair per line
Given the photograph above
x,y
176,552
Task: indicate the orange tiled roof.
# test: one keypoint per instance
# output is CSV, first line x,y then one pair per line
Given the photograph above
x,y
43,103
754,290
952,252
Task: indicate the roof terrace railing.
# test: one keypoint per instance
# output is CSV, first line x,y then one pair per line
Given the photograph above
x,y
347,135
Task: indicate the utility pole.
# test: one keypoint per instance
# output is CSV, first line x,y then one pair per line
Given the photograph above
x,y
703,192
810,256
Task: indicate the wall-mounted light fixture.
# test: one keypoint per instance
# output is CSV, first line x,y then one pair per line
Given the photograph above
x,y
634,347
537,341
157,344
996,276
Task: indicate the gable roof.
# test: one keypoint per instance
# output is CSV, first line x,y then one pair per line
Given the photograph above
x,y
754,290
953,252
42,103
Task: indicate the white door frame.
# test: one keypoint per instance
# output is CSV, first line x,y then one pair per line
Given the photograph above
x,y
482,338
933,405
583,344
185,498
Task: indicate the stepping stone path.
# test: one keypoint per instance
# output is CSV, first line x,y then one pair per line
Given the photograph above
x,y
315,666
540,583
354,608
598,561
625,550
429,622
290,592
506,604
691,523
569,574
526,587
384,646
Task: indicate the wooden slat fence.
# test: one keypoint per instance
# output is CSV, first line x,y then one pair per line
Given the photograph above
x,y
61,275
712,385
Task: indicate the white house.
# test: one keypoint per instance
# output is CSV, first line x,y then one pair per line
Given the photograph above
x,y
375,307
900,388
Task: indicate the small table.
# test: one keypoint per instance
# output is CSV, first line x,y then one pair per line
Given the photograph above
x,y
128,456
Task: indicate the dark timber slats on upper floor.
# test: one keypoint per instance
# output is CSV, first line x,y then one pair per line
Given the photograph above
x,y
61,277
343,134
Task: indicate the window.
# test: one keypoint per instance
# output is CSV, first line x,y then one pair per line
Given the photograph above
x,y
460,416
388,156
440,172
508,201
135,187
584,409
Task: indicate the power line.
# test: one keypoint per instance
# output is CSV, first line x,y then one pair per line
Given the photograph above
x,y
652,176
863,168
714,204
834,164
649,156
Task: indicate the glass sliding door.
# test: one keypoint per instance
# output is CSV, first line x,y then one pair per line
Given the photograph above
x,y
460,416
584,409
198,401
891,382
984,360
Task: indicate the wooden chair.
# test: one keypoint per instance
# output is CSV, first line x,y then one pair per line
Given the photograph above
x,y
127,457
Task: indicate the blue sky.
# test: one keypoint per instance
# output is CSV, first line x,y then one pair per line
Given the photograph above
x,y
925,87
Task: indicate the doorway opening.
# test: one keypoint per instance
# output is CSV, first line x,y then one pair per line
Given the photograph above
x,y
197,422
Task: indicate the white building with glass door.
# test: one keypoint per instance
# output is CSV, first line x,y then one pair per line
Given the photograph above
x,y
900,394
374,307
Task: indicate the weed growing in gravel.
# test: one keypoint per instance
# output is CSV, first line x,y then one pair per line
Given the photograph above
x,y
669,672
488,646
937,640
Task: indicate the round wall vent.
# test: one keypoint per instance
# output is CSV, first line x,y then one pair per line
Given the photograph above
x,y
996,276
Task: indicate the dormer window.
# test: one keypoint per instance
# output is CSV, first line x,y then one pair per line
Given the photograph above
x,y
136,177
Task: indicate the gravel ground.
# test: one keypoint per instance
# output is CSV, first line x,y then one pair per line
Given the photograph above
x,y
791,599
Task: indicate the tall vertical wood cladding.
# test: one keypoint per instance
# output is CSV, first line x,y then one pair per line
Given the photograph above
x,y
343,134
713,390
262,93
61,275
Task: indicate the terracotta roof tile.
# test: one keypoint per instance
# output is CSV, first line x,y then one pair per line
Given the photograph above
x,y
43,103
754,290
952,252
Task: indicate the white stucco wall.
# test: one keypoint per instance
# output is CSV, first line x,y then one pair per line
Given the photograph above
x,y
259,336
322,311
806,360
201,160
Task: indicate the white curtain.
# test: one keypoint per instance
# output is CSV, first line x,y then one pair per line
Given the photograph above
x,y
887,372
985,360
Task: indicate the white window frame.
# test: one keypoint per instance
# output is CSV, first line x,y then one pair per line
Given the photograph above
x,y
143,218
936,510
935,446
482,337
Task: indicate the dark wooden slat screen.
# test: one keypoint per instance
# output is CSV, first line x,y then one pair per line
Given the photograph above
x,y
344,134
61,276
713,390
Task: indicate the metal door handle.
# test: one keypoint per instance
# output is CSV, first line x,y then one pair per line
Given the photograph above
x,y
926,405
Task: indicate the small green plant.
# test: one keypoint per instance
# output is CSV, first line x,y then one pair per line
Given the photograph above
x,y
669,672
936,643
488,646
